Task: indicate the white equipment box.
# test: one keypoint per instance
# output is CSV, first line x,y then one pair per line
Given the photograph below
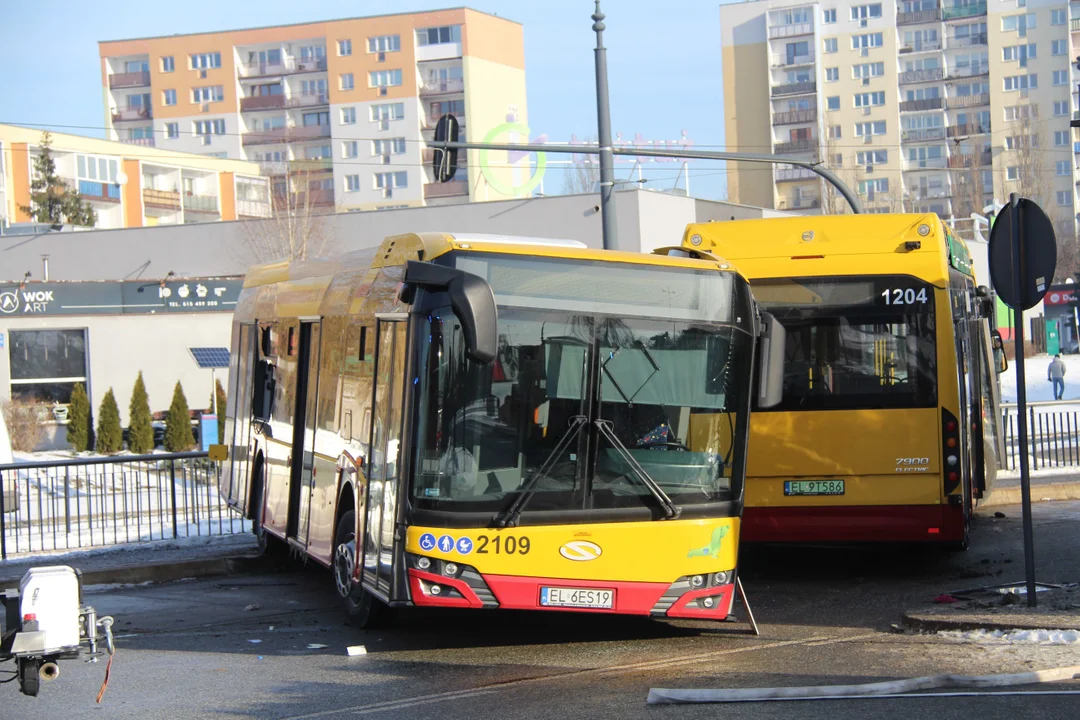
x,y
51,596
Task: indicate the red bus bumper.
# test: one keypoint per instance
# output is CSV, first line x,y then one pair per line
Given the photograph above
x,y
893,523
523,593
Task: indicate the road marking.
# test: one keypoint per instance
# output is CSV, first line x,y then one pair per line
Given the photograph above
x,y
495,687
850,638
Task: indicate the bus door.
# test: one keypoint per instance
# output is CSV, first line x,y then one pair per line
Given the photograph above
x,y
967,386
238,415
303,459
385,453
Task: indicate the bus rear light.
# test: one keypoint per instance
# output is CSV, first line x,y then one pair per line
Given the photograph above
x,y
950,441
950,425
952,460
953,477
933,531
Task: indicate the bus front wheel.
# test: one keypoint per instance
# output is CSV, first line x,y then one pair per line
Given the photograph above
x,y
362,609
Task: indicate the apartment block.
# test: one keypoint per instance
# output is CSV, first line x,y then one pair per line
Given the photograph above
x,y
921,105
132,185
338,114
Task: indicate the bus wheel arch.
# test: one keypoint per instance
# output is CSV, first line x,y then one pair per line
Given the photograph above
x,y
362,609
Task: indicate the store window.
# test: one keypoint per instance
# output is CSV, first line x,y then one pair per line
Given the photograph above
x,y
46,364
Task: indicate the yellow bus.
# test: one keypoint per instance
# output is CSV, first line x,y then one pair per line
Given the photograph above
x,y
496,422
888,429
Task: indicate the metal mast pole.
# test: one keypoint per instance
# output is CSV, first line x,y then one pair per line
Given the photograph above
x,y
603,117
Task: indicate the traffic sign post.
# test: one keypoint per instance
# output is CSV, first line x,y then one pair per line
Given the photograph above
x,y
1023,258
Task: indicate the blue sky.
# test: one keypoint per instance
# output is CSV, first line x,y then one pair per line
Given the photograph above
x,y
663,58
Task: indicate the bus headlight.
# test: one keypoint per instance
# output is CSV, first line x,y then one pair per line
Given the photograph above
x,y
951,460
697,581
423,563
450,569
435,590
721,578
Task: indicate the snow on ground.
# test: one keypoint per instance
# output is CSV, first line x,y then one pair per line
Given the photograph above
x,y
1039,389
1014,637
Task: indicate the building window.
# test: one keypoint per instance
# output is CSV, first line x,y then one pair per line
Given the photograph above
x,y
828,16
832,103
1057,17
1061,77
388,111
1021,112
205,61
868,70
832,74
1064,198
868,40
209,127
384,43
344,47
830,45
348,149
92,167
1061,108
208,94
389,180
1021,53
835,132
876,127
877,185
167,64
1020,24
1059,47
1021,82
1063,167
1061,138
168,97
47,364
347,81
316,88
352,183
384,78
862,12
446,107
872,157
348,116
870,99
172,130
438,35
390,146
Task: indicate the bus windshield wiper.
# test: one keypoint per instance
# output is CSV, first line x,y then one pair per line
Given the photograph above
x,y
510,516
671,510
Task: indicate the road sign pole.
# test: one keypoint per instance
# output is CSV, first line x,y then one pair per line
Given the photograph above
x,y
603,117
1018,256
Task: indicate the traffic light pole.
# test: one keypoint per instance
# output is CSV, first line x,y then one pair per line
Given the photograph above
x,y
603,120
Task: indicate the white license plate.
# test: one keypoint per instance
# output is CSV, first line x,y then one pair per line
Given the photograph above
x,y
577,597
814,487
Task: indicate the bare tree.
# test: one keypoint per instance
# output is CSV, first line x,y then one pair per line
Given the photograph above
x,y
295,232
582,177
1024,164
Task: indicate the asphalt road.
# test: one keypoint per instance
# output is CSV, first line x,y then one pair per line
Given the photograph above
x,y
186,649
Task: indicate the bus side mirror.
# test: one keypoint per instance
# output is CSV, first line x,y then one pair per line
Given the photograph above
x,y
771,379
1001,363
262,399
470,296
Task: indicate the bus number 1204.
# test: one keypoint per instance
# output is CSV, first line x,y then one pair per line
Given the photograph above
x,y
904,296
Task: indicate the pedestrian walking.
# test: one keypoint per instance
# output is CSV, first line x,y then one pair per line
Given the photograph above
x,y
1056,374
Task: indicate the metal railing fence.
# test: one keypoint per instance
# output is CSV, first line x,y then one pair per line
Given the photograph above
x,y
1053,436
92,502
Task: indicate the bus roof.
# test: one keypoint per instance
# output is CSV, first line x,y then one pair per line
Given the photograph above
x,y
397,249
917,244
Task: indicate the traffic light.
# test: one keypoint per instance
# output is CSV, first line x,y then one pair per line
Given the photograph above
x,y
444,162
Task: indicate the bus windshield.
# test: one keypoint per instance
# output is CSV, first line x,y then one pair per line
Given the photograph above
x,y
854,343
583,405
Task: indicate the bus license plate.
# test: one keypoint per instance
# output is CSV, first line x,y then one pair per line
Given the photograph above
x,y
577,597
813,487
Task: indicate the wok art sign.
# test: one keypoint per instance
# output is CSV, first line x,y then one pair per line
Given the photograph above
x,y
520,184
115,298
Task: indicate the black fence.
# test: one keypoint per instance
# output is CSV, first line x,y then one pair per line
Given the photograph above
x,y
1053,436
85,503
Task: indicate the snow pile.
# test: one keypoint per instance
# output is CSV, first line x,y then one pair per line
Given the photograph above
x,y
1039,389
1014,637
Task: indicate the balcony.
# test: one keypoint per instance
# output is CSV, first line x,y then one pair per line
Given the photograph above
x,y
799,204
129,80
131,115
253,209
799,88
1074,25
925,46
969,41
920,105
443,87
262,102
968,71
960,131
313,198
447,189
284,135
103,192
143,141
966,101
923,134
784,31
794,146
307,100
792,117
311,165
960,13
970,160
429,123
791,60
921,76
918,17
168,200
930,163
794,174
288,66
200,203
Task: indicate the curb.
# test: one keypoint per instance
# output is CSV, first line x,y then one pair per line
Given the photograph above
x,y
1039,492
168,572
936,623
